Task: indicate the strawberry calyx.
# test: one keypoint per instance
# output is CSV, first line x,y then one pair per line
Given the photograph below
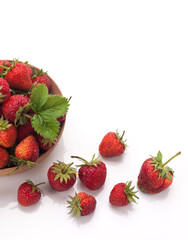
x,y
164,171
35,187
4,124
130,193
75,205
5,70
63,171
22,115
19,163
94,161
4,64
120,137
40,73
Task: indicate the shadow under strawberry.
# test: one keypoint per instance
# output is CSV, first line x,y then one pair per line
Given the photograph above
x,y
122,211
155,198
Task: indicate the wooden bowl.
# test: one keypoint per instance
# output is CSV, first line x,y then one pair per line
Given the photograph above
x,y
54,89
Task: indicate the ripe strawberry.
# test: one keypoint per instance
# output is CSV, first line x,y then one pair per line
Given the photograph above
x,y
8,133
41,77
4,157
18,76
25,130
82,204
122,194
44,143
4,91
154,175
92,174
12,106
112,144
28,193
28,149
61,176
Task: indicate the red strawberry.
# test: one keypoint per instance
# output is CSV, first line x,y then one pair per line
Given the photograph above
x,y
12,106
154,175
44,143
28,193
25,130
82,204
112,144
92,174
122,194
28,149
4,157
18,76
8,133
41,77
4,91
61,176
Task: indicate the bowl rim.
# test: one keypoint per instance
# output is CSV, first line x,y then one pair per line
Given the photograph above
x,y
11,171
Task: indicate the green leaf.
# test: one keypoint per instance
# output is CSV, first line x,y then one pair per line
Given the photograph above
x,y
55,105
39,96
45,125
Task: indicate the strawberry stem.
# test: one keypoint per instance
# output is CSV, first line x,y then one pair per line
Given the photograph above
x,y
171,158
27,115
80,159
67,167
4,67
40,184
122,135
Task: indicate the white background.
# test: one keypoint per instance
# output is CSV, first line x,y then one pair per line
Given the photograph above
x,y
125,65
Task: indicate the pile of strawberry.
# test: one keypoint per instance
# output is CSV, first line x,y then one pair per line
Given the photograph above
x,y
30,116
154,177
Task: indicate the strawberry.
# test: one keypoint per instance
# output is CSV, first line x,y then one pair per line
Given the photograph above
x,y
4,157
8,133
27,149
61,176
112,145
154,175
28,193
4,91
41,77
13,105
44,143
18,76
24,130
122,194
92,174
82,204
